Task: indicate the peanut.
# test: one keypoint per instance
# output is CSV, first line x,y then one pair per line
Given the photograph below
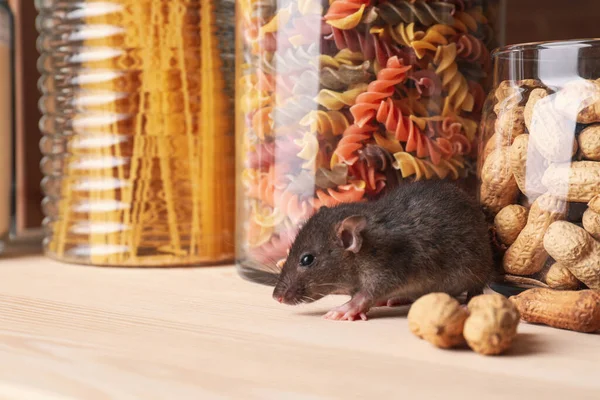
x,y
574,310
439,319
509,222
507,127
527,166
492,324
580,100
552,134
526,255
589,143
495,141
535,96
511,123
559,277
577,249
508,92
594,204
507,89
498,185
591,223
578,181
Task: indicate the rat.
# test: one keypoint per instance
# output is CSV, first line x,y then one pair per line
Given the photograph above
x,y
419,238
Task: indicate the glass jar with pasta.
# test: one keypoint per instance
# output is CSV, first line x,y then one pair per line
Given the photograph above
x,y
341,100
137,128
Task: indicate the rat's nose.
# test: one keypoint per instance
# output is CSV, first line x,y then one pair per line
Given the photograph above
x,y
278,297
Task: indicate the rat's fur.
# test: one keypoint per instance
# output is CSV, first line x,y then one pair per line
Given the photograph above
x,y
420,238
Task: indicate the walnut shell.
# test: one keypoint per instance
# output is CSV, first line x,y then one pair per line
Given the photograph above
x,y
509,222
589,143
560,278
576,249
439,319
492,324
574,310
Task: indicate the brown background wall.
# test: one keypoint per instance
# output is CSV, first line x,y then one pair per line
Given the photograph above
x,y
527,20
535,20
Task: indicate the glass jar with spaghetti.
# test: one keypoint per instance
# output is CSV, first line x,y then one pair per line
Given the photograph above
x,y
137,130
341,100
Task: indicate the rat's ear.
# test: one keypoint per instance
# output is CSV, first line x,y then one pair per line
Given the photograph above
x,y
349,232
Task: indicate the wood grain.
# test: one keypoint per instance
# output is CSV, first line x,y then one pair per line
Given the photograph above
x,y
72,332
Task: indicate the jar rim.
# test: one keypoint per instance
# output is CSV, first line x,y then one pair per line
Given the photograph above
x,y
513,49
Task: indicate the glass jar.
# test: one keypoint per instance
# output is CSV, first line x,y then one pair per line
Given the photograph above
x,y
137,130
342,100
539,164
6,119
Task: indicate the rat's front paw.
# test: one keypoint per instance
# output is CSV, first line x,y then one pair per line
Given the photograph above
x,y
356,308
340,314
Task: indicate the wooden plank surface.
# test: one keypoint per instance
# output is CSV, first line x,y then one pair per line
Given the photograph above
x,y
73,332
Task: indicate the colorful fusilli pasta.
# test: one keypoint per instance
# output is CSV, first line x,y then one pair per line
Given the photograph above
x,y
326,122
332,100
345,14
424,169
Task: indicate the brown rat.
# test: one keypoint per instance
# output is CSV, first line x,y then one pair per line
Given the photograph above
x,y
419,238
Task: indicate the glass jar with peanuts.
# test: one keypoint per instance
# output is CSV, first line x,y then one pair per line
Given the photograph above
x,y
343,100
539,164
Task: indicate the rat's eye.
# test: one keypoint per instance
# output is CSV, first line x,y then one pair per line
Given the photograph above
x,y
306,260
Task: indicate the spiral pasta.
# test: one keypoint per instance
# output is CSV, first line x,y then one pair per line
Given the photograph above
x,y
370,45
326,122
333,100
344,76
405,130
293,59
374,181
367,103
293,206
459,97
343,57
425,13
472,49
349,193
424,169
345,14
420,41
309,149
352,140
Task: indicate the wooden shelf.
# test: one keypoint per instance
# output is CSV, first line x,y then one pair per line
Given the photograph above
x,y
74,332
